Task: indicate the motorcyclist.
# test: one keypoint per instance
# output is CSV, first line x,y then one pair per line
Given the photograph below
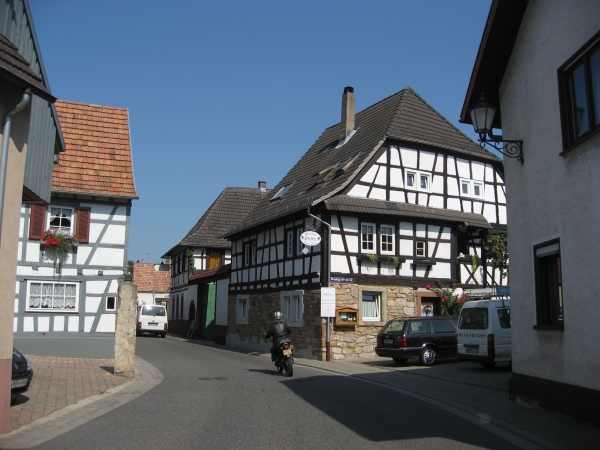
x,y
278,330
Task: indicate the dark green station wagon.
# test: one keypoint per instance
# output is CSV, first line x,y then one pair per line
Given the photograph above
x,y
426,338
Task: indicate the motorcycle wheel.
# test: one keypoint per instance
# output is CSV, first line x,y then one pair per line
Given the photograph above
x,y
289,367
280,368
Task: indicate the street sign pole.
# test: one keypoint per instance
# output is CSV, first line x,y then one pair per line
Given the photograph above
x,y
327,284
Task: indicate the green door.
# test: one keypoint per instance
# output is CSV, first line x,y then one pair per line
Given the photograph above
x,y
208,309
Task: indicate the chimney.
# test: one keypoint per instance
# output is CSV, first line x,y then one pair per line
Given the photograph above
x,y
262,185
348,102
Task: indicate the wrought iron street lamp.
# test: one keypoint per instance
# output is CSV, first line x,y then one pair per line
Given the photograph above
x,y
482,116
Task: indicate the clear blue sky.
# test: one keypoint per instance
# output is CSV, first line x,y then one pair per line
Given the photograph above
x,y
227,93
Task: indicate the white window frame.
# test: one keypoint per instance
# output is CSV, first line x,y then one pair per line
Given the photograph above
x,y
291,304
282,191
424,255
373,234
381,239
29,308
418,175
242,309
60,229
106,308
381,305
290,244
471,188
299,244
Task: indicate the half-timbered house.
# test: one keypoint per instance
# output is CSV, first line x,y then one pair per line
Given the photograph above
x,y
410,200
200,264
92,193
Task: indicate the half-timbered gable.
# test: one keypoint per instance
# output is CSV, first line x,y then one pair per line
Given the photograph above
x,y
409,199
200,253
92,192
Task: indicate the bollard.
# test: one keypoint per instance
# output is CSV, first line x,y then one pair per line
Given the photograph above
x,y
125,330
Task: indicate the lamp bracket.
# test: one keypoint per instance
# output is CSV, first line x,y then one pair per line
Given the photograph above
x,y
509,148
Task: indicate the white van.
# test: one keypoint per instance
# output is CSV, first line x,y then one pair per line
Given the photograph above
x,y
152,319
484,332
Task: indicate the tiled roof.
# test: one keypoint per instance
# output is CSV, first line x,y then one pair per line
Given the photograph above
x,y
404,116
17,68
343,203
205,275
231,206
147,277
97,158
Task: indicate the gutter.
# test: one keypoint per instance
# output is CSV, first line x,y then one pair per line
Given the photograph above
x,y
5,142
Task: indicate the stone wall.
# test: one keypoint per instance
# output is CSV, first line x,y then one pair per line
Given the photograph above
x,y
309,340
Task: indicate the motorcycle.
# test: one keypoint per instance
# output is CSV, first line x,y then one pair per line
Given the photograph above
x,y
284,359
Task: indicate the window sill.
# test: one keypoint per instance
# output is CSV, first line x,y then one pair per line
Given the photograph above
x,y
423,262
368,323
558,327
383,259
579,141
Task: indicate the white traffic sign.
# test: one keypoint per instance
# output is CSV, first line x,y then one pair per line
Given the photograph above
x,y
310,238
327,302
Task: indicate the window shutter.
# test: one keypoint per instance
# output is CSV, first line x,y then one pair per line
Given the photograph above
x,y
37,221
83,225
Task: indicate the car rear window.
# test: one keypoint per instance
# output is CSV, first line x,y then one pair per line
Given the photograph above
x,y
473,319
393,326
443,326
153,310
419,327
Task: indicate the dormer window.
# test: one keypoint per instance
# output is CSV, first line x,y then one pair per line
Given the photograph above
x,y
282,191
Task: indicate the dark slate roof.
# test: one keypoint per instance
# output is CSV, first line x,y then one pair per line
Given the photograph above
x,y
402,116
17,69
343,203
210,274
231,206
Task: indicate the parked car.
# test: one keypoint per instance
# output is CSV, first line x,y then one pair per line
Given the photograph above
x,y
484,332
152,319
22,374
426,338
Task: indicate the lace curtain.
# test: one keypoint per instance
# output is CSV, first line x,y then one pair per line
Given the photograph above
x,y
52,295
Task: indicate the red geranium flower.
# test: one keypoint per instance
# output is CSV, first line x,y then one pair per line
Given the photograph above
x,y
445,298
458,302
428,286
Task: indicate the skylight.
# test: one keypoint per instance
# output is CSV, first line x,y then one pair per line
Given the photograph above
x,y
282,191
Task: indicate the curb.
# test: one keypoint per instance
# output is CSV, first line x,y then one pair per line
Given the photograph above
x,y
72,416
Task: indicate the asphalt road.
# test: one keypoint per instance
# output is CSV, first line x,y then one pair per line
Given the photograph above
x,y
212,398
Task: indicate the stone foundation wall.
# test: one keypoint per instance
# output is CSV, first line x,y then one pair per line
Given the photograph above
x,y
355,342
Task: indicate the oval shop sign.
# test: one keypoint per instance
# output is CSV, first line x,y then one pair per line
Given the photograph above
x,y
310,238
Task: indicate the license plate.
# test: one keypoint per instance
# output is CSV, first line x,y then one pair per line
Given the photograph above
x,y
388,341
472,350
287,351
19,383
153,323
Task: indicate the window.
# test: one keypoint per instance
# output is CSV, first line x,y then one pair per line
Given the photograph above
x,y
548,285
111,303
50,296
504,317
290,244
420,249
214,260
253,253
246,255
579,82
61,219
387,239
367,237
282,191
419,327
371,306
473,319
242,308
292,307
153,310
299,244
418,181
470,188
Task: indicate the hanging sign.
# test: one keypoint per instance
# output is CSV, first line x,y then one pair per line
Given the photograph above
x,y
310,238
327,302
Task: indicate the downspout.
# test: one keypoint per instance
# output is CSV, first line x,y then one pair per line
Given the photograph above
x,y
327,284
5,142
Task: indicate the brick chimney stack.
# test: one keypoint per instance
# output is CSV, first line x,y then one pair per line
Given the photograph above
x,y
348,103
262,185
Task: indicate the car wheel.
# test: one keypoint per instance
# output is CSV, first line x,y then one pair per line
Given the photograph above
x,y
400,360
428,355
487,363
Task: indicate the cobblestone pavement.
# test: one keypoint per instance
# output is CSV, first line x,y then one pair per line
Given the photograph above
x,y
58,382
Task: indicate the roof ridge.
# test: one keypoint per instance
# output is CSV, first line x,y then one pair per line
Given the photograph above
x,y
90,105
